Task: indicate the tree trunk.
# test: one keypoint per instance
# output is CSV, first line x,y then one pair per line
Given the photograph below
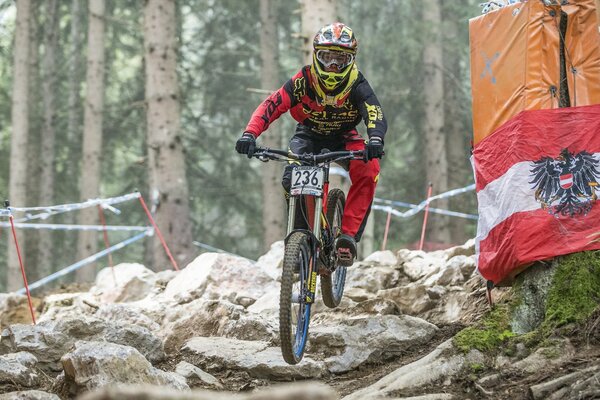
x,y
17,188
273,200
314,15
435,141
165,150
31,236
47,153
89,183
74,99
457,146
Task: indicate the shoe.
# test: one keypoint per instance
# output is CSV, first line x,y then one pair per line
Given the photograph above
x,y
346,250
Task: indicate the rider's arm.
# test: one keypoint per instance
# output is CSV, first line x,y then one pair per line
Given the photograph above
x,y
369,108
269,110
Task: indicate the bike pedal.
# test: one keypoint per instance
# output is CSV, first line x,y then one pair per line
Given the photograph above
x,y
345,257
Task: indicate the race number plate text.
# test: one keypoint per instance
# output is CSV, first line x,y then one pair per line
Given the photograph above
x,y
307,180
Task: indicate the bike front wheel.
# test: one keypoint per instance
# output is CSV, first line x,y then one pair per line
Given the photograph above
x,y
294,306
332,286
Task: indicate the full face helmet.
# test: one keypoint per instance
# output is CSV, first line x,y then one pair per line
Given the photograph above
x,y
333,68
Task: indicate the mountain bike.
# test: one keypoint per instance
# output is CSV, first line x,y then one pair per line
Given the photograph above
x,y
309,244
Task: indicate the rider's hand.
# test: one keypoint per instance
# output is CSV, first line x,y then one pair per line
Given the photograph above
x,y
374,148
246,144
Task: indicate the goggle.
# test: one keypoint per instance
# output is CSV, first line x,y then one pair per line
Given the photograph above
x,y
332,57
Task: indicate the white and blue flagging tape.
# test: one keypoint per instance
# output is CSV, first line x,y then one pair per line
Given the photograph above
x,y
86,261
415,208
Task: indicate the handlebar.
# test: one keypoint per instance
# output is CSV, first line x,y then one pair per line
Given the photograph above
x,y
265,154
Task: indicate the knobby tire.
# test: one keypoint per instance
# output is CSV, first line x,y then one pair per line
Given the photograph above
x,y
297,258
332,286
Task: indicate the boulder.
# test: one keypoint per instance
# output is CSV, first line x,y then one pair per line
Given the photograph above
x,y
90,365
123,283
349,342
18,369
29,395
214,276
255,357
443,364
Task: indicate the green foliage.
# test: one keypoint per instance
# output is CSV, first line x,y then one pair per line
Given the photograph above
x,y
573,297
575,291
488,334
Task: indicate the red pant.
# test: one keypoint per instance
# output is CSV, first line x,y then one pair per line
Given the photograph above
x,y
363,175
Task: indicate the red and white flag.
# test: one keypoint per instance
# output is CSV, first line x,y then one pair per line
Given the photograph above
x,y
537,181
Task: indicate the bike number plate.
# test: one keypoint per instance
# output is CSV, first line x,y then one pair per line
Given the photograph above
x,y
307,180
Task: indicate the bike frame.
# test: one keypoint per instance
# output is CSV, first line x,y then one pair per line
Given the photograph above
x,y
316,207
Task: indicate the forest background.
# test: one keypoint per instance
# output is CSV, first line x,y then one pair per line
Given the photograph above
x,y
89,108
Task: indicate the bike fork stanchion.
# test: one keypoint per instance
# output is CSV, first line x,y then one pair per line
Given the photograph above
x,y
425,217
106,242
160,236
12,225
387,229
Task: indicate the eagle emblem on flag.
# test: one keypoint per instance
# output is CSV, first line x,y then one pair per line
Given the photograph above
x,y
566,185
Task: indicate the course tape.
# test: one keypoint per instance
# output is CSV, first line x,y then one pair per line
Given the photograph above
x,y
68,227
417,208
87,260
58,209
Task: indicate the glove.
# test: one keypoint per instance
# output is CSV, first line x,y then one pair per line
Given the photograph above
x,y
374,149
246,144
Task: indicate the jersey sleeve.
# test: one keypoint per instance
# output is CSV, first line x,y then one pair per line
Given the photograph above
x,y
370,109
278,103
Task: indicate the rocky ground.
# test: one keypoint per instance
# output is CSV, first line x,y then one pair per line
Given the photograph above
x,y
210,331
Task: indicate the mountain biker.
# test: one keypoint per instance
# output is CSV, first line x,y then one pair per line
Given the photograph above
x,y
329,98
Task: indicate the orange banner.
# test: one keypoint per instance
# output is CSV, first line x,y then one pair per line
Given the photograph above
x,y
515,60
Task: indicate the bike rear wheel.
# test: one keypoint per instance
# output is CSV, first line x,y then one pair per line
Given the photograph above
x,y
294,310
332,286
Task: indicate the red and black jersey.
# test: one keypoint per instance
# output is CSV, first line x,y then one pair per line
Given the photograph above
x,y
298,97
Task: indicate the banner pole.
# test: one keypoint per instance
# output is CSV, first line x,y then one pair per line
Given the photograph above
x,y
22,267
387,229
160,236
429,190
106,242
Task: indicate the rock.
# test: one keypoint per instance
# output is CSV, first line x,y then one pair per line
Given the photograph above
x,y
271,263
17,368
49,340
535,282
190,371
570,386
350,342
214,276
467,249
294,391
254,357
126,314
412,299
29,395
371,278
385,257
217,318
557,354
67,305
91,365
123,283
417,267
14,309
444,363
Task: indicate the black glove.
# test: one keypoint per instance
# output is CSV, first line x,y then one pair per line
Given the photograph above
x,y
246,144
374,149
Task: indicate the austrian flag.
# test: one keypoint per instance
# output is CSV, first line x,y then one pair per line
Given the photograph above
x,y
537,181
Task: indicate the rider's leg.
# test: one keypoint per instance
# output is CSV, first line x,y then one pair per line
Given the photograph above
x,y
364,178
